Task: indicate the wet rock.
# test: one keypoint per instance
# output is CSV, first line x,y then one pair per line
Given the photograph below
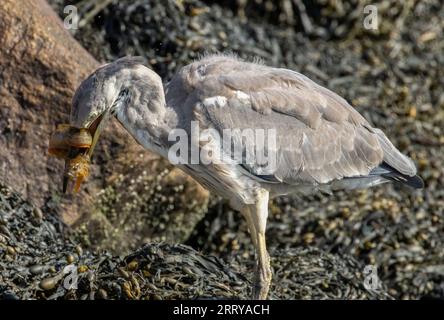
x,y
41,66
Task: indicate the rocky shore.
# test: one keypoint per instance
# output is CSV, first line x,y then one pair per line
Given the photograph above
x,y
127,246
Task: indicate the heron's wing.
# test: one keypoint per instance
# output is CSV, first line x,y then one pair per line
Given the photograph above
x,y
319,136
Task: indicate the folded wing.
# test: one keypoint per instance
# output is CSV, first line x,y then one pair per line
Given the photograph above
x,y
319,136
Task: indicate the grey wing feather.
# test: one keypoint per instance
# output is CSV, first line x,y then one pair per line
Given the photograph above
x,y
320,137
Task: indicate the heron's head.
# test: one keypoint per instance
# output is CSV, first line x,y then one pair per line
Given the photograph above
x,y
109,91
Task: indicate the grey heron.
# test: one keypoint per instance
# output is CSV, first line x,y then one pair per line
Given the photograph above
x,y
321,141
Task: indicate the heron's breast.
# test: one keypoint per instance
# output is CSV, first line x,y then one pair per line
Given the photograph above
x,y
224,180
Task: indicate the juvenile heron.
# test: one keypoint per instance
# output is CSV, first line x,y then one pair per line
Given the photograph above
x,y
321,142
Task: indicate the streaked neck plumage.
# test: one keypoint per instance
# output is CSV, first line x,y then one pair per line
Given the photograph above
x,y
141,108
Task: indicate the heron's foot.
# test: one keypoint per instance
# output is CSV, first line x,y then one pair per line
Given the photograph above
x,y
262,281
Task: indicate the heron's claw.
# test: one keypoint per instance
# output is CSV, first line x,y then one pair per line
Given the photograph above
x,y
262,281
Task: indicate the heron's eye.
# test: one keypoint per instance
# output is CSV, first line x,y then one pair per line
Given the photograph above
x,y
122,99
123,94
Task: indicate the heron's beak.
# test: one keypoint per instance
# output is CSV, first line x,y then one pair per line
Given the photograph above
x,y
75,145
95,129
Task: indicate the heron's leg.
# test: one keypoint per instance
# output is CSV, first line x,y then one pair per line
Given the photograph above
x,y
257,221
263,270
246,212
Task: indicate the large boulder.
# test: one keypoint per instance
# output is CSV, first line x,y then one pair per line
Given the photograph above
x,y
41,65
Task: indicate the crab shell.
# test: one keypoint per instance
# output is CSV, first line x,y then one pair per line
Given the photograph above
x,y
72,145
77,170
66,137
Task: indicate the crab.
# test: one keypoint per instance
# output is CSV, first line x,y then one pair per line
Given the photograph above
x,y
73,145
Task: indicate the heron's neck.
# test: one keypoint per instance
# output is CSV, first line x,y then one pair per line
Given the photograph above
x,y
144,113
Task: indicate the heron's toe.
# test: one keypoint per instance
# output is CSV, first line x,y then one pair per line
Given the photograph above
x,y
262,282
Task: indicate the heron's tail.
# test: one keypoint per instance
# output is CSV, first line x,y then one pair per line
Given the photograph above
x,y
396,166
388,172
